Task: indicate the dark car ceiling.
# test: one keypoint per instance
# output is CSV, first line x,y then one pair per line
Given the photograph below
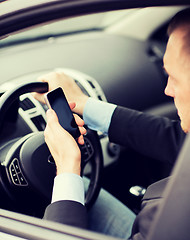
x,y
124,67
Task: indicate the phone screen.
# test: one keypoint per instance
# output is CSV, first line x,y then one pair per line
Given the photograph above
x,y
57,101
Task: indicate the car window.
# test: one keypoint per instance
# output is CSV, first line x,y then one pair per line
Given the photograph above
x,y
77,24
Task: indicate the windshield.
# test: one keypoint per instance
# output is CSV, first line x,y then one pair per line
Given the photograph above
x,y
67,26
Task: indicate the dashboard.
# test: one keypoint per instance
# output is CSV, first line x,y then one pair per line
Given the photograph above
x,y
123,66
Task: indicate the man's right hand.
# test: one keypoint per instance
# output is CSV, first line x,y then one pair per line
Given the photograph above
x,y
72,91
62,145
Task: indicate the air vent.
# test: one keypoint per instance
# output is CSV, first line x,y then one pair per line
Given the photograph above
x,y
82,88
100,98
91,84
39,122
26,104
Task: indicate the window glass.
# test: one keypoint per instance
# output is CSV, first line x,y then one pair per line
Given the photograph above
x,y
70,25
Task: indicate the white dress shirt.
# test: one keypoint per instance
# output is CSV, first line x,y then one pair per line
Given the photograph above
x,y
97,116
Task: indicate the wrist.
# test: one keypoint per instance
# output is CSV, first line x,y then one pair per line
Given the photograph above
x,y
69,168
80,104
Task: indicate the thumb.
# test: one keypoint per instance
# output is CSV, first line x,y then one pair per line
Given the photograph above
x,y
51,116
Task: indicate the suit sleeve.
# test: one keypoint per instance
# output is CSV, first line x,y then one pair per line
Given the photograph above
x,y
67,212
156,137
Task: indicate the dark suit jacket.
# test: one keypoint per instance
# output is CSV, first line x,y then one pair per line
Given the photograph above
x,y
155,137
67,212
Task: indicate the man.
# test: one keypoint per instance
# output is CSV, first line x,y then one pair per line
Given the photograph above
x,y
129,128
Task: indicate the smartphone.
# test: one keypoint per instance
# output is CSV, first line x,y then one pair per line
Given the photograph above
x,y
56,100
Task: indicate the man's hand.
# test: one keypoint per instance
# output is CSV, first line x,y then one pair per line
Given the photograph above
x,y
72,91
62,145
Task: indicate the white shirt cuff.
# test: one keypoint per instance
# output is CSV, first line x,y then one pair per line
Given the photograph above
x,y
97,114
68,186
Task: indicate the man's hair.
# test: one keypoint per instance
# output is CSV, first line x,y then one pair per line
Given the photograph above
x,y
181,20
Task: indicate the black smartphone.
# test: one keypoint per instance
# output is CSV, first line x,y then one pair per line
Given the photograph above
x,y
56,100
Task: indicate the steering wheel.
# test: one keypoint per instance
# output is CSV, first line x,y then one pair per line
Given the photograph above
x,y
27,172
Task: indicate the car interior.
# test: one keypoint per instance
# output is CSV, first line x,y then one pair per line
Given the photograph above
x,y
114,56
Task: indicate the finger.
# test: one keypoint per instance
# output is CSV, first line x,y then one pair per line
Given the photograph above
x,y
51,116
79,121
42,78
82,130
72,105
38,96
81,140
53,127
